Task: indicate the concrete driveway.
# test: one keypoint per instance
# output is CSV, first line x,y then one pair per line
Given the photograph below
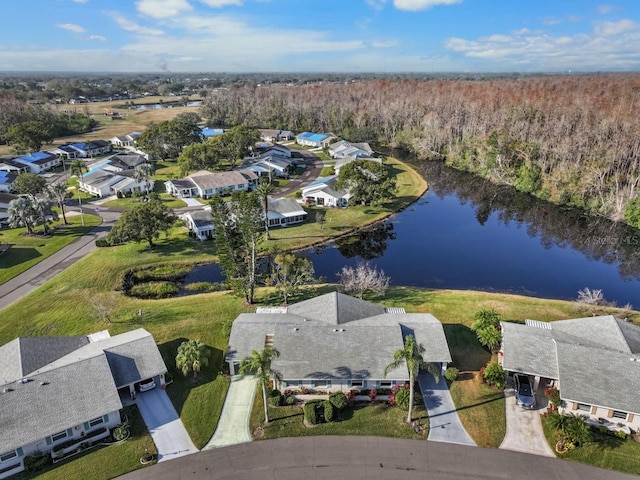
x,y
444,423
524,429
233,427
165,427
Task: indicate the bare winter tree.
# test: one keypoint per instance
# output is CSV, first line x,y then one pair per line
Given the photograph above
x,y
362,278
103,307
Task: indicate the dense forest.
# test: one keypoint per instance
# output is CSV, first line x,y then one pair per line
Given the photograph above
x,y
573,140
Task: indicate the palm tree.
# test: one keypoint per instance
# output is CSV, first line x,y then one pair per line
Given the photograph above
x,y
21,213
142,173
412,356
42,210
259,363
192,356
264,189
78,167
58,193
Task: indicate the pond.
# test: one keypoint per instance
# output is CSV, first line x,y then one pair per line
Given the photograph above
x,y
467,233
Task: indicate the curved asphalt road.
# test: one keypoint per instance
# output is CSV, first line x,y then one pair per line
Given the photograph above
x,y
366,458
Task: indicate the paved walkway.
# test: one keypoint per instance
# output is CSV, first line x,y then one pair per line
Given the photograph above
x,y
359,458
524,429
192,202
444,423
165,427
233,427
23,284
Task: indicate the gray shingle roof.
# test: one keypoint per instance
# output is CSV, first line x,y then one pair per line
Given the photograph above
x,y
285,206
73,394
336,336
201,218
595,358
206,180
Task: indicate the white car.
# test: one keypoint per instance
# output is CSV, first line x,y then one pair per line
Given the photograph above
x,y
148,384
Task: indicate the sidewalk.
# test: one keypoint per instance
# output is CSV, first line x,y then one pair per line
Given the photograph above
x,y
444,423
233,427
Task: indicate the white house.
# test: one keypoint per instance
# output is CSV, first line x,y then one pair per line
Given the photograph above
x,y
199,223
310,139
39,162
285,211
6,181
59,392
5,198
8,164
593,361
119,162
125,140
271,135
323,192
336,342
103,183
206,184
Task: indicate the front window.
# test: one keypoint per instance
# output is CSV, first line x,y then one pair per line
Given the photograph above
x,y
321,383
620,415
59,436
357,383
385,383
8,456
96,421
584,407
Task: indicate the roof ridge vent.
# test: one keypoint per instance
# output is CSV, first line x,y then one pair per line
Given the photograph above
x,y
7,389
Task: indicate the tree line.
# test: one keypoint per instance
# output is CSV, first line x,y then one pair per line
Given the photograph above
x,y
572,140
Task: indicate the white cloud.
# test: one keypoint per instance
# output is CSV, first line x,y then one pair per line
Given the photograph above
x,y
376,4
72,27
384,43
97,37
604,9
610,46
415,5
551,21
222,3
81,1
608,29
130,26
163,8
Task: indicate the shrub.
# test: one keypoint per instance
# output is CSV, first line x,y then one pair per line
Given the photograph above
x,y
372,394
401,397
290,400
102,242
275,398
298,194
329,413
120,432
36,461
310,413
495,375
204,287
553,395
620,434
339,400
154,290
351,397
451,373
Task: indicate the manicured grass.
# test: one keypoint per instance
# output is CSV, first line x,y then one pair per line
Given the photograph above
x,y
74,192
339,221
377,419
280,182
327,172
128,202
104,462
606,451
165,170
481,409
28,251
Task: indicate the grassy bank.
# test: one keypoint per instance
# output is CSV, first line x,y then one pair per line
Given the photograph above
x,y
27,251
127,202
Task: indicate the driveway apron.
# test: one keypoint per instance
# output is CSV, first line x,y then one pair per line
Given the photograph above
x,y
233,427
165,427
444,423
524,429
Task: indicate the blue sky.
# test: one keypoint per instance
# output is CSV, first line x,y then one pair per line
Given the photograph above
x,y
320,35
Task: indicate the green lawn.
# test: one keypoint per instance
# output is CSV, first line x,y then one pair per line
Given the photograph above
x,y
606,452
103,462
75,192
377,419
327,172
127,202
27,251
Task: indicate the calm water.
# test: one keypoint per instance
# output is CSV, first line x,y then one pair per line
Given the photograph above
x,y
466,233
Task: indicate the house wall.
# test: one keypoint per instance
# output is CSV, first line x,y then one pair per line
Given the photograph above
x,y
329,201
632,420
6,187
210,192
46,444
333,385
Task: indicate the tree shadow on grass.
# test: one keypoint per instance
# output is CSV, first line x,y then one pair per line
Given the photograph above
x,y
466,351
17,255
182,385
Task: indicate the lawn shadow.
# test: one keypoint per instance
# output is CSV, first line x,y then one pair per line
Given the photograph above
x,y
466,351
477,404
17,255
182,385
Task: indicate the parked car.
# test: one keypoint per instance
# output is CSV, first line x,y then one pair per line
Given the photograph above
x,y
525,396
148,384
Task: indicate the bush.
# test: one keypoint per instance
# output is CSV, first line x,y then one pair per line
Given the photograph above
x,y
120,432
102,242
329,413
495,375
553,395
451,373
290,400
154,290
310,413
36,461
401,397
204,287
339,400
275,398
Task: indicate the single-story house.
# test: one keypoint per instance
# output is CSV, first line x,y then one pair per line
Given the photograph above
x,y
54,390
279,150
103,183
39,162
323,192
125,140
271,135
310,139
206,184
5,199
66,151
285,211
199,223
335,342
271,162
89,149
594,362
341,162
211,132
119,162
344,149
8,164
6,181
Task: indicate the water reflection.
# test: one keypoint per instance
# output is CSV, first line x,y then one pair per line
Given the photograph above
x,y
367,244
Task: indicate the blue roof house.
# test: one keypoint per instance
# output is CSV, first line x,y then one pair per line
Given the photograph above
x,y
310,139
39,162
